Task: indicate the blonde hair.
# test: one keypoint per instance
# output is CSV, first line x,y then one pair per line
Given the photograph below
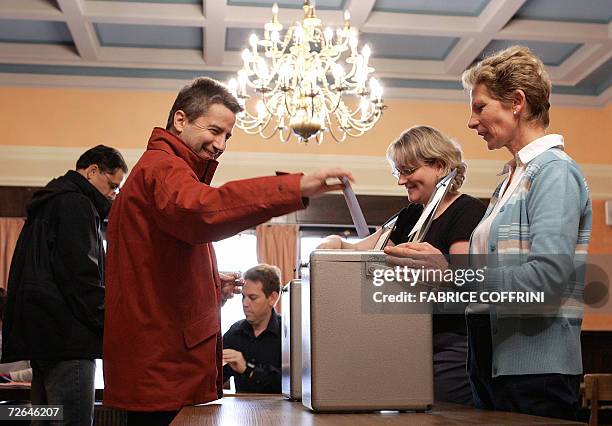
x,y
515,68
426,145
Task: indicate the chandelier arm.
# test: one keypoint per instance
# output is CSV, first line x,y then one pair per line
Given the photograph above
x,y
247,125
330,99
271,135
337,102
331,57
352,71
250,118
286,42
312,107
364,126
333,135
328,103
319,138
277,82
263,98
288,107
358,123
352,114
283,138
253,130
350,132
264,126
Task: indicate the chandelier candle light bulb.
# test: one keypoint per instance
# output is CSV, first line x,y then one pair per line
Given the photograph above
x,y
298,85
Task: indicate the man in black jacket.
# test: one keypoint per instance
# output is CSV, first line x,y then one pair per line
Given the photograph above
x,y
55,308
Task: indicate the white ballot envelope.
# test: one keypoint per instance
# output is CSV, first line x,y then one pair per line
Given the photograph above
x,y
356,214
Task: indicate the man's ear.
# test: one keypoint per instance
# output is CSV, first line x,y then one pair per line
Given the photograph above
x,y
275,296
91,170
179,120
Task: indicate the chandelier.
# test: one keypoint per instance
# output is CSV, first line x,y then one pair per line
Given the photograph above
x,y
299,86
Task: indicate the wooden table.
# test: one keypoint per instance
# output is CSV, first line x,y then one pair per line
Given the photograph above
x,y
273,410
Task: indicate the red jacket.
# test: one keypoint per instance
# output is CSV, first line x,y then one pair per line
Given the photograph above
x,y
162,340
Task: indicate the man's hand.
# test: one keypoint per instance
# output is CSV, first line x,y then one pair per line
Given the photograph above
x,y
316,183
416,256
231,284
235,360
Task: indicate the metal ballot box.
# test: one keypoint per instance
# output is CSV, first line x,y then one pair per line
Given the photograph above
x,y
291,340
354,360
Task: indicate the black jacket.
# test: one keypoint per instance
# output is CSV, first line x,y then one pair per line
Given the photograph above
x,y
55,306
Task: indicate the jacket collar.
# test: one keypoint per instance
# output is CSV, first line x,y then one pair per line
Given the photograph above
x,y
273,325
163,140
100,202
530,151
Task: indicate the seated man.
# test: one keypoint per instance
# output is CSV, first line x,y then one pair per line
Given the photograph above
x,y
252,347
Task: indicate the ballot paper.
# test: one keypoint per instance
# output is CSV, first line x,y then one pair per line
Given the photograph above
x,y
421,227
419,230
387,229
354,209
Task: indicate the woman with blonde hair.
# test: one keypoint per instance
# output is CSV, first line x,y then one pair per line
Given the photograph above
x,y
533,235
419,159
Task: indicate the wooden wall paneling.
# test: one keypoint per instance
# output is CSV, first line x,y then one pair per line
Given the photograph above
x,y
13,200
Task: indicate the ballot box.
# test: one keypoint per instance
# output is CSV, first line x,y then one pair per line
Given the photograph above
x,y
353,359
291,340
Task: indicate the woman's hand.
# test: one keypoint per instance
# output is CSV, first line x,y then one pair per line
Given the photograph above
x,y
416,256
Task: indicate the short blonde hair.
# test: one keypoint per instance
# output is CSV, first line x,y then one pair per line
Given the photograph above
x,y
426,145
515,68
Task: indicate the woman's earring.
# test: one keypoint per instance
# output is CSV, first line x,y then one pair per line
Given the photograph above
x,y
514,112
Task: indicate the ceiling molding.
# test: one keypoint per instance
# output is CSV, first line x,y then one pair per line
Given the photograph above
x,y
214,32
82,31
34,10
495,15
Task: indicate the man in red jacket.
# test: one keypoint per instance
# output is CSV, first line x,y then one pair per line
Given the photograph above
x,y
162,341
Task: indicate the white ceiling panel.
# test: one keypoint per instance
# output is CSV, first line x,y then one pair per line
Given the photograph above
x,y
432,7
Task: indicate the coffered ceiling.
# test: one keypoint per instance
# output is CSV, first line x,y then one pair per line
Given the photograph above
x,y
420,47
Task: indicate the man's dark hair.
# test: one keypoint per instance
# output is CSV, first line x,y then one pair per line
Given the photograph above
x,y
106,158
267,275
195,99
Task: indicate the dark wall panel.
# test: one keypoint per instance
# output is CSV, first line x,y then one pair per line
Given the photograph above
x,y
331,209
13,200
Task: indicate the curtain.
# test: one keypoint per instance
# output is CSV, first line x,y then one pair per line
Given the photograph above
x,y
278,245
10,227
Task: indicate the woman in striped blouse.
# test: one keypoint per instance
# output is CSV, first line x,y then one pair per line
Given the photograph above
x,y
525,357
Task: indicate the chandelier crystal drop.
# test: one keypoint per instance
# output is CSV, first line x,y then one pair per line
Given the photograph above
x,y
300,85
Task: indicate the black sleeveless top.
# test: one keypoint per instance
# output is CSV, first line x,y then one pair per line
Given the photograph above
x,y
456,223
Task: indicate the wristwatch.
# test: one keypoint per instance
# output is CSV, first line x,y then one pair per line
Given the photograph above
x,y
249,369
